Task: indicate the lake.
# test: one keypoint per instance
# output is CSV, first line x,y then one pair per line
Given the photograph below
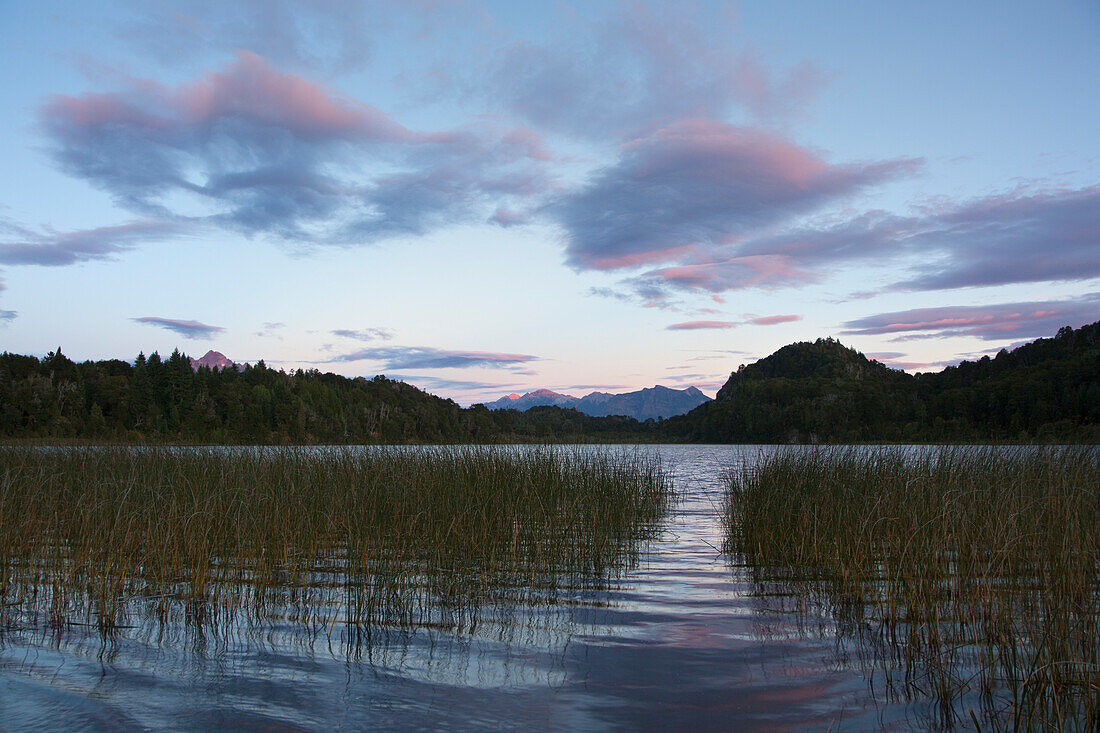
x,y
682,640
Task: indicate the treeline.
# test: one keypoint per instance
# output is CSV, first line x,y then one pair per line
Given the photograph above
x,y
157,400
1045,391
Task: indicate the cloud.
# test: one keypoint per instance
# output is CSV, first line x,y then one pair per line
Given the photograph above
x,y
639,66
699,185
425,357
752,320
721,275
896,360
333,36
598,387
1017,237
54,249
697,325
8,315
454,385
265,152
1026,320
1012,238
364,334
187,329
508,218
717,355
773,320
271,328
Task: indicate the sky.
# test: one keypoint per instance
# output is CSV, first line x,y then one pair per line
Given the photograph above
x,y
493,197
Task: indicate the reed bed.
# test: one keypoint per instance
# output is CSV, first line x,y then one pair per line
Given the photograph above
x,y
968,577
373,537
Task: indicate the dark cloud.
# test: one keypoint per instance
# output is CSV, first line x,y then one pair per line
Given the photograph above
x,y
697,185
425,357
1009,238
262,151
364,334
50,248
187,329
8,315
1027,320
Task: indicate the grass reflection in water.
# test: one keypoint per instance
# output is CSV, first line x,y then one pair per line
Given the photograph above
x,y
964,576
315,538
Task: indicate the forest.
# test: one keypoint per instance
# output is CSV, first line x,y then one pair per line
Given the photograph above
x,y
808,392
1044,391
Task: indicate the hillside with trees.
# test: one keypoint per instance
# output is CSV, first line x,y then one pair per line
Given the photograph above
x,y
1048,391
158,400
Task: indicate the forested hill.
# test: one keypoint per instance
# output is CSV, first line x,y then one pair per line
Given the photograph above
x,y
165,400
1048,390
823,391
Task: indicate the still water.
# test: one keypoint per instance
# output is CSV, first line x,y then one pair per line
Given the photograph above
x,y
683,640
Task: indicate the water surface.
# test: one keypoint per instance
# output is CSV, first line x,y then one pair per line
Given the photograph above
x,y
683,640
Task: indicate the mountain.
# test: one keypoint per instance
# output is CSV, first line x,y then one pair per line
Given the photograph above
x,y
652,403
213,360
533,399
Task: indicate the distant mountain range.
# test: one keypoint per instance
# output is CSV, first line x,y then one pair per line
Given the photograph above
x,y
655,402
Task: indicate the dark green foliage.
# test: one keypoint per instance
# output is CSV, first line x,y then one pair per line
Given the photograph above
x,y
163,400
1048,390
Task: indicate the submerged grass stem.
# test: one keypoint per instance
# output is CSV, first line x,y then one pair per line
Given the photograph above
x,y
358,537
974,574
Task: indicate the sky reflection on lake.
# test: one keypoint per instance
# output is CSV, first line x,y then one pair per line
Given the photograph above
x,y
680,641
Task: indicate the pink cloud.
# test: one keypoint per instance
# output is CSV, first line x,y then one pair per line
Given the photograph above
x,y
508,218
696,188
989,322
252,89
260,150
426,357
773,320
696,325
731,273
248,89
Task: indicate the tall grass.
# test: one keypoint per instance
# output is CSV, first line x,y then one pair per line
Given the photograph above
x,y
971,574
387,536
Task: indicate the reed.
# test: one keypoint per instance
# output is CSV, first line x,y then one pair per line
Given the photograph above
x,y
971,573
357,537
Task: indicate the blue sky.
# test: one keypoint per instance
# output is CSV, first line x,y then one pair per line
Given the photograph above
x,y
483,198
